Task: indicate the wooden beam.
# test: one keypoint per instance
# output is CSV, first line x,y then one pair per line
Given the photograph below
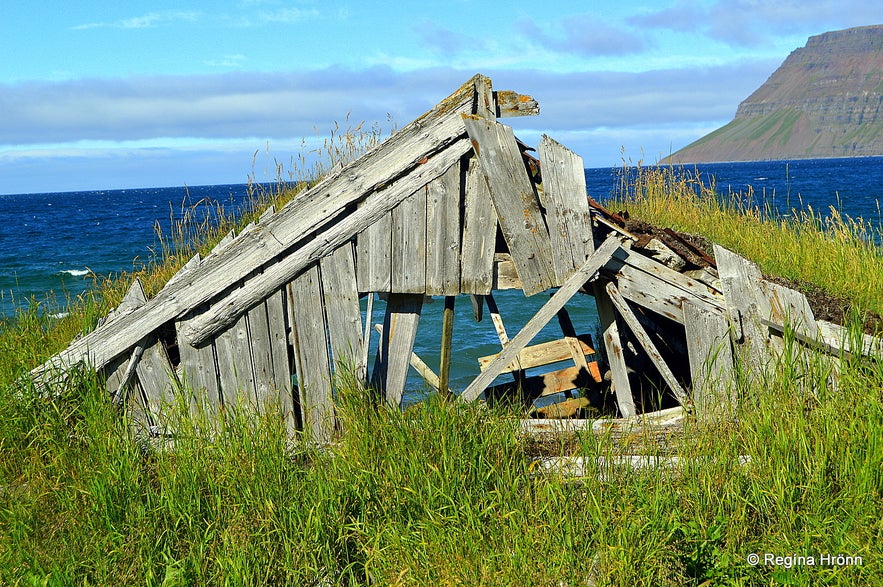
x,y
419,365
541,318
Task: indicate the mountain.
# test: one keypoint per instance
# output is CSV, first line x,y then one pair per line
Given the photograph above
x,y
825,100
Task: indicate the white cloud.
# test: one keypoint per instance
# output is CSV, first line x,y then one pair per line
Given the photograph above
x,y
149,20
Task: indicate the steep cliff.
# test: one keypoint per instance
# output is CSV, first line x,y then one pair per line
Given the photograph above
x,y
825,100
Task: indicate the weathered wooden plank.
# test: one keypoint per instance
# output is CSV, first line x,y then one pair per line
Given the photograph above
x,y
397,344
835,340
689,286
235,369
515,203
505,276
567,209
342,308
711,362
366,339
311,359
373,256
444,370
647,343
420,152
788,306
115,371
540,319
443,198
511,103
544,353
157,378
479,234
282,369
408,239
260,343
614,350
746,307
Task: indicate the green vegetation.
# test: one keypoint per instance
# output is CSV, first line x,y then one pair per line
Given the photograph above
x,y
447,494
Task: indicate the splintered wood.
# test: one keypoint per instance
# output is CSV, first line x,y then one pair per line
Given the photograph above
x,y
452,204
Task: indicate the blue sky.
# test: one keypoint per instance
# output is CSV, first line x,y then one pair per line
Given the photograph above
x,y
103,95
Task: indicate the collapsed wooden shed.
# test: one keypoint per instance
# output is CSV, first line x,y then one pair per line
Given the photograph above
x,y
451,204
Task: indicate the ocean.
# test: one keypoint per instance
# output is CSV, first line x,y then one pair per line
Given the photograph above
x,y
53,245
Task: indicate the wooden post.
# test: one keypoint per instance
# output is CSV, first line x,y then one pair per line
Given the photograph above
x,y
397,343
444,369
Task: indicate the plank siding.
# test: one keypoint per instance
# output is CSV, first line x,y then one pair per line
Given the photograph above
x,y
342,309
711,362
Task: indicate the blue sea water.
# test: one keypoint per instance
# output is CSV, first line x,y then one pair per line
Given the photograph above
x,y
51,245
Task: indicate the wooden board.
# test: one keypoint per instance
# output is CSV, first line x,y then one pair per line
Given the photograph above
x,y
156,376
511,103
788,306
443,198
373,249
544,353
408,239
540,319
746,307
614,351
567,208
515,202
262,359
282,369
397,344
479,234
235,370
410,158
311,359
342,310
711,362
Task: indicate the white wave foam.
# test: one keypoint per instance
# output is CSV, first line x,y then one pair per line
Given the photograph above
x,y
75,272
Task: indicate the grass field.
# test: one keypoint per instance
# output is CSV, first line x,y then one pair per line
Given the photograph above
x,y
446,494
